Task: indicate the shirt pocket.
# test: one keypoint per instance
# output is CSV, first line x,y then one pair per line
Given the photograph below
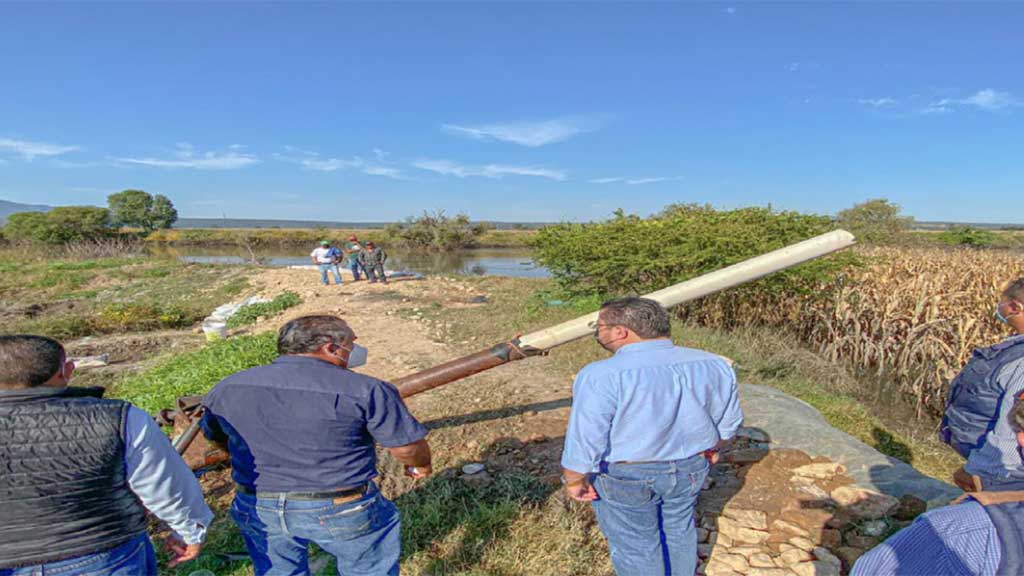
x,y
624,492
352,519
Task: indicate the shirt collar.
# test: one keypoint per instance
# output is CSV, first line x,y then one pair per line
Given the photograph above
x,y
653,344
297,359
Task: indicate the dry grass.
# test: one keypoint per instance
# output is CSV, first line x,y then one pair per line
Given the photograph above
x,y
909,318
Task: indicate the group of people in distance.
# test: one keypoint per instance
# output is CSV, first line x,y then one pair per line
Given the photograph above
x,y
79,472
368,258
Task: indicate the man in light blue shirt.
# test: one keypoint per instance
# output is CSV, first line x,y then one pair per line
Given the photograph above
x,y
643,426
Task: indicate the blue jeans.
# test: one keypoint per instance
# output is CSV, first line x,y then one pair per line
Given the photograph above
x,y
364,535
355,267
133,558
645,510
323,273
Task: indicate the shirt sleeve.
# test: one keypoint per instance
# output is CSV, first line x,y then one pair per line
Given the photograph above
x,y
1000,453
728,415
588,438
162,480
212,429
388,420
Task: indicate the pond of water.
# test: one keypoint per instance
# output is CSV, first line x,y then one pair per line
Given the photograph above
x,y
515,262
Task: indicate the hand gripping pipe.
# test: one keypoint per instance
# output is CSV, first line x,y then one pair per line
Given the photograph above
x,y
541,341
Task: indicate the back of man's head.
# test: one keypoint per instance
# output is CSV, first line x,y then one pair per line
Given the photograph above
x,y
27,361
306,334
644,316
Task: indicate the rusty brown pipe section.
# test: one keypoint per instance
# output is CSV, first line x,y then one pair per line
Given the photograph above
x,y
459,368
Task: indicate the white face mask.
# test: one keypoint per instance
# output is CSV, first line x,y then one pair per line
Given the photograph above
x,y
356,357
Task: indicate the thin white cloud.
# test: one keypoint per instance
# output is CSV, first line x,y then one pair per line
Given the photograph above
x,y
30,150
494,171
878,102
186,157
633,181
730,10
531,134
313,161
988,99
793,66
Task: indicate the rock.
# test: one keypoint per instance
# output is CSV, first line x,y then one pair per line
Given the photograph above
x,y
708,483
734,561
873,528
789,528
802,543
769,572
910,507
704,550
864,503
859,541
735,531
702,534
746,551
478,299
708,521
830,538
755,519
820,470
720,539
849,555
83,362
478,479
752,433
795,556
814,491
717,568
815,569
470,469
824,555
761,560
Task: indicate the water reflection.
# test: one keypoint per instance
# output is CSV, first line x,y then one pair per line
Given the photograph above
x,y
478,262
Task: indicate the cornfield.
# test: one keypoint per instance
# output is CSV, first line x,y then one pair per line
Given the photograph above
x,y
908,318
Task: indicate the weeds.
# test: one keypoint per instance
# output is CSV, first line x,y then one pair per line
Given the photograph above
x,y
249,314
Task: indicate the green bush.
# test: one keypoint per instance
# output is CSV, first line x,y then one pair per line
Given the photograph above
x,y
196,372
248,314
437,231
875,222
132,316
60,225
631,255
967,236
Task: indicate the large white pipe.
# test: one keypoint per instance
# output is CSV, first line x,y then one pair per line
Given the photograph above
x,y
701,286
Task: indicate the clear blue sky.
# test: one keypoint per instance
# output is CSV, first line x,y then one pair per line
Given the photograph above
x,y
531,112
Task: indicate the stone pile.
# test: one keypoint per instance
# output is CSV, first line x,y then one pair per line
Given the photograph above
x,y
782,513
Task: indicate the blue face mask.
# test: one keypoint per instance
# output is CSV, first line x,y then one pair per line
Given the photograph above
x,y
1001,318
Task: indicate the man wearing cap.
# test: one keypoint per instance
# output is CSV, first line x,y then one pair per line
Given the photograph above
x,y
352,249
326,257
372,259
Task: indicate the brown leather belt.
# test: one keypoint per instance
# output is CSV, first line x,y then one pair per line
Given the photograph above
x,y
338,496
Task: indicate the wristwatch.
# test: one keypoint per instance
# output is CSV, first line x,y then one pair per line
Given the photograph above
x,y
566,483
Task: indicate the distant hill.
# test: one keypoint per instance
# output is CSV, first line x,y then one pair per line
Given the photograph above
x,y
7,208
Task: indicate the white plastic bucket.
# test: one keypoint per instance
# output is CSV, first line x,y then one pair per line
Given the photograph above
x,y
215,330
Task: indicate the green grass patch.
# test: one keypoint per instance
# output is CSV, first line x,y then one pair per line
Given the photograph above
x,y
248,314
66,280
196,372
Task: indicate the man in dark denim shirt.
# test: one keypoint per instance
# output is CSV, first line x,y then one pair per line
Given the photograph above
x,y
301,434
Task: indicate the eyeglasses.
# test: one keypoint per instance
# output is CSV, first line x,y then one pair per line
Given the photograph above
x,y
597,325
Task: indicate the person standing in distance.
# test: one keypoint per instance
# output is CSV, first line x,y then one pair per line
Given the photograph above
x,y
301,434
643,426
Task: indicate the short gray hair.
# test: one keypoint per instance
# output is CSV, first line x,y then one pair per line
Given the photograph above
x,y
641,315
27,361
305,334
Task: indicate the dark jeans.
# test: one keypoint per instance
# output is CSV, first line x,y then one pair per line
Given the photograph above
x,y
645,510
133,558
364,535
372,272
355,267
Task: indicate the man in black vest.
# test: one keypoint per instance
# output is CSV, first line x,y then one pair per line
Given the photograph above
x,y
78,472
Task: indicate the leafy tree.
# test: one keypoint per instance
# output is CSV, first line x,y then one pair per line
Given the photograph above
x,y
967,236
876,221
27,227
75,223
164,213
437,231
138,209
59,226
